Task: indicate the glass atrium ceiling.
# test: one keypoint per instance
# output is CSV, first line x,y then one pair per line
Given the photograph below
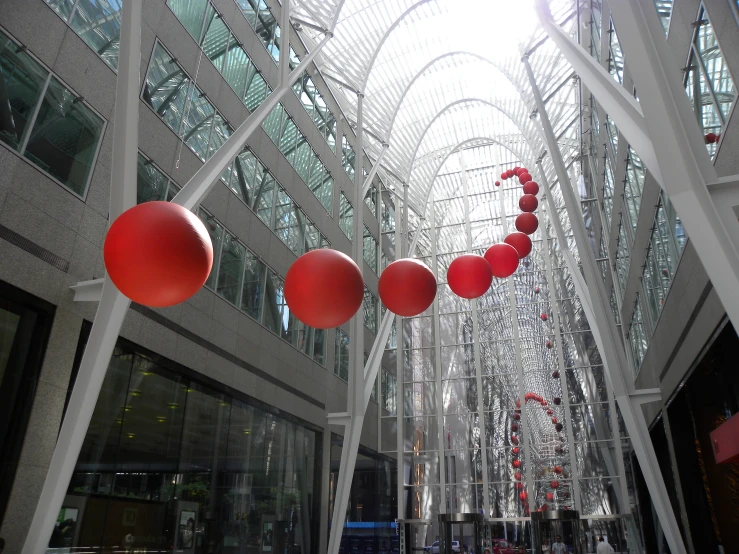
x,y
439,75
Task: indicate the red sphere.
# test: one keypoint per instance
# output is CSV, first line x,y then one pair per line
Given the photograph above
x,y
557,400
516,169
536,290
550,496
324,288
503,259
549,412
558,427
514,439
532,187
710,138
521,242
528,203
527,223
558,470
407,287
555,484
544,317
524,495
524,177
555,374
519,486
469,276
554,420
516,416
517,475
504,175
514,427
549,344
497,183
158,254
516,463
516,450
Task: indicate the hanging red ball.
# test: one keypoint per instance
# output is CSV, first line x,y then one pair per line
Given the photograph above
x,y
554,420
407,287
557,400
536,290
555,484
519,486
527,223
516,416
516,169
528,203
532,187
504,175
558,470
158,254
558,427
324,288
544,317
514,427
710,138
497,183
524,495
549,344
524,178
516,450
521,242
550,496
544,403
549,412
516,463
555,374
514,439
517,476
469,276
503,259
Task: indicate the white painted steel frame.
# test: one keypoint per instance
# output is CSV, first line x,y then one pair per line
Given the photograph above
x,y
604,330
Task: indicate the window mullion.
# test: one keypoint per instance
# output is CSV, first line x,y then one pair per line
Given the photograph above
x,y
34,115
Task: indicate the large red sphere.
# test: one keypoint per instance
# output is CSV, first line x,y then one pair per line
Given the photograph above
x,y
324,288
516,169
521,242
158,254
524,177
504,175
503,259
532,187
407,287
527,223
528,203
469,276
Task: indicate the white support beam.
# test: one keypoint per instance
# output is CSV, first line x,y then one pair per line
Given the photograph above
x,y
207,176
88,291
604,330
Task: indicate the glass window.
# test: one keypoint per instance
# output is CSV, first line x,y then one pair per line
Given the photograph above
x,y
313,102
215,230
252,296
635,175
191,14
370,249
637,337
65,137
341,356
347,157
623,259
616,57
98,23
23,81
197,123
371,305
371,199
276,314
664,10
389,392
231,269
346,217
164,452
166,87
151,183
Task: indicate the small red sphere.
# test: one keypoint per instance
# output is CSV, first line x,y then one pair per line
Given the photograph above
x,y
550,496
710,138
469,276
519,486
516,169
524,177
527,223
558,470
557,400
407,287
555,484
514,439
521,242
544,317
497,183
532,187
516,463
503,259
514,427
554,420
549,344
555,374
524,495
516,450
549,412
528,203
516,416
558,427
324,288
517,476
536,290
158,254
504,175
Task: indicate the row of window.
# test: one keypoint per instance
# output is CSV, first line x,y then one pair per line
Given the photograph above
x,y
293,144
370,246
313,102
46,122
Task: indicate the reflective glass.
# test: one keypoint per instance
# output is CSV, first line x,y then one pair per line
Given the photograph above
x,y
98,23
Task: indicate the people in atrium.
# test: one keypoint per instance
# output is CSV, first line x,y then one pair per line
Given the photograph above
x,y
338,276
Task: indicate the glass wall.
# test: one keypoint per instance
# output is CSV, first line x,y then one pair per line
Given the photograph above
x,y
173,462
346,217
314,103
341,355
260,17
347,157
370,248
46,122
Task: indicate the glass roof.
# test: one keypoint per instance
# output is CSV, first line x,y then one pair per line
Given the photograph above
x,y
441,75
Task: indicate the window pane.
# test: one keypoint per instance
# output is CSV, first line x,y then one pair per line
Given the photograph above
x,y
216,39
254,276
190,13
151,184
23,80
256,89
264,197
166,88
346,217
62,7
231,271
65,137
242,180
235,67
216,236
98,23
275,301
197,123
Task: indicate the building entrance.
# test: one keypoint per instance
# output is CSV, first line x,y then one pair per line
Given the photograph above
x,y
554,526
460,533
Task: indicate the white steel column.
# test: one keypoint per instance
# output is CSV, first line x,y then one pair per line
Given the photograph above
x,y
476,343
677,156
605,333
113,305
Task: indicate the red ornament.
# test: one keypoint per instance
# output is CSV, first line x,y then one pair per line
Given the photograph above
x,y
514,427
544,403
515,170
516,416
528,203
532,187
158,254
518,402
514,439
710,138
407,287
558,427
516,463
536,289
497,183
558,470
524,495
555,374
527,223
516,450
521,242
544,317
554,420
557,400
503,259
550,496
519,486
469,276
517,475
324,288
524,177
504,175
549,412
549,344
555,484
